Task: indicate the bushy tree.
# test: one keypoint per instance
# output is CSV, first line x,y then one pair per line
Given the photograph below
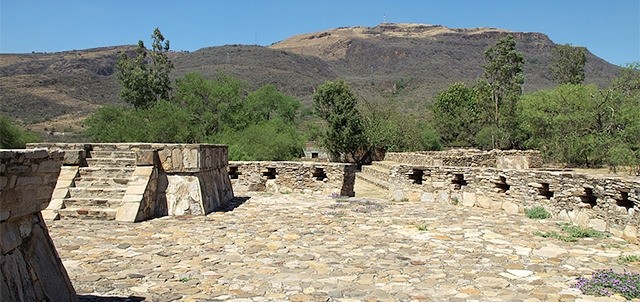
x,y
272,139
455,115
582,125
503,74
628,83
344,136
268,103
567,64
12,136
145,77
215,104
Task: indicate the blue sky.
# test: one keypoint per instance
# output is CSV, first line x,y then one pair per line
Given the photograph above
x,y
608,28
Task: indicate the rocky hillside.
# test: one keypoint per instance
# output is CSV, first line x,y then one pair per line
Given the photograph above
x,y
402,63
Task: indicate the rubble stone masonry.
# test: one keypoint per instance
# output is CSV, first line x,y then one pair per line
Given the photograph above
x,y
30,268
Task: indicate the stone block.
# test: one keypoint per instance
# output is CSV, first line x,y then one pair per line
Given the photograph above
x,y
598,225
427,197
36,154
398,195
630,234
468,199
510,207
495,205
128,212
483,201
443,197
564,216
145,157
10,238
136,189
50,215
616,231
49,166
3,182
74,157
582,219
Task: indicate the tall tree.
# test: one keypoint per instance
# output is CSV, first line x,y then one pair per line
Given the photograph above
x,y
567,64
504,77
336,104
145,77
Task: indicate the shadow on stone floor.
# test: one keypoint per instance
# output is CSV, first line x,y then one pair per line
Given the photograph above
x,y
233,204
92,298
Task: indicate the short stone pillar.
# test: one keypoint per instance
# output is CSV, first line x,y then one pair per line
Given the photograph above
x,y
30,268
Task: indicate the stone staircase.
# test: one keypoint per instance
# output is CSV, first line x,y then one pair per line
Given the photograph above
x,y
97,191
376,174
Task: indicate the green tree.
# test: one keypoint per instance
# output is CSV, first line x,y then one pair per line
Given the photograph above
x,y
145,77
273,139
455,115
12,136
628,83
567,64
504,78
268,103
582,125
344,136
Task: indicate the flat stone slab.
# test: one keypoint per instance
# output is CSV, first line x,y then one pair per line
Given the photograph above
x,y
301,248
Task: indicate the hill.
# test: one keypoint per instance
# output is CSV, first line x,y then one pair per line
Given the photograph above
x,y
406,64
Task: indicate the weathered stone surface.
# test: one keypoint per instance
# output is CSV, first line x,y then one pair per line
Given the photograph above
x,y
30,269
285,247
277,177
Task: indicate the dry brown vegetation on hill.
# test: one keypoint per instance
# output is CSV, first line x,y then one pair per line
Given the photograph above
x,y
400,63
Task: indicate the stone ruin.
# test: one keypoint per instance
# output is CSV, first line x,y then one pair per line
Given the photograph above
x,y
30,268
511,181
135,182
321,178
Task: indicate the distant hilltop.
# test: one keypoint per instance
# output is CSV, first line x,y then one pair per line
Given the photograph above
x,y
336,37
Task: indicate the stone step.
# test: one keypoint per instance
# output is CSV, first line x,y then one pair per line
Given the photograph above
x,y
106,172
101,182
373,180
92,202
111,162
112,154
88,213
384,164
376,172
97,192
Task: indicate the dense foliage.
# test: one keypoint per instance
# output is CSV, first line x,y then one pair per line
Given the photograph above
x,y
257,126
582,125
567,64
12,136
145,77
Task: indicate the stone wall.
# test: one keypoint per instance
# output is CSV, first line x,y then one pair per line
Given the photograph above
x,y
30,268
503,159
603,203
284,177
188,178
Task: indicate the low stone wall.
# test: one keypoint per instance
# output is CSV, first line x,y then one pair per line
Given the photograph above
x,y
188,178
30,268
284,177
502,159
603,203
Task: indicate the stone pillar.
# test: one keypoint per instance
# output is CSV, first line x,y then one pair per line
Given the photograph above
x,y
30,268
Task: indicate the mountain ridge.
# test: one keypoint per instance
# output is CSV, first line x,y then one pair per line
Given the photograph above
x,y
401,63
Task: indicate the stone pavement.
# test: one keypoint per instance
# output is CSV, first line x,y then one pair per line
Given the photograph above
x,y
301,248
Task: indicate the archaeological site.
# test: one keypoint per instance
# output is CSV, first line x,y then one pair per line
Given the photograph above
x,y
63,203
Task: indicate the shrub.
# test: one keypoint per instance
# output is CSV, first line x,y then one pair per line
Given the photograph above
x,y
537,213
12,136
608,282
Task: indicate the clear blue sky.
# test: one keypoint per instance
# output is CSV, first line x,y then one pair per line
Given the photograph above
x,y
608,28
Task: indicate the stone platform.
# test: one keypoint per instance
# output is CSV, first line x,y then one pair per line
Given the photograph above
x,y
295,247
